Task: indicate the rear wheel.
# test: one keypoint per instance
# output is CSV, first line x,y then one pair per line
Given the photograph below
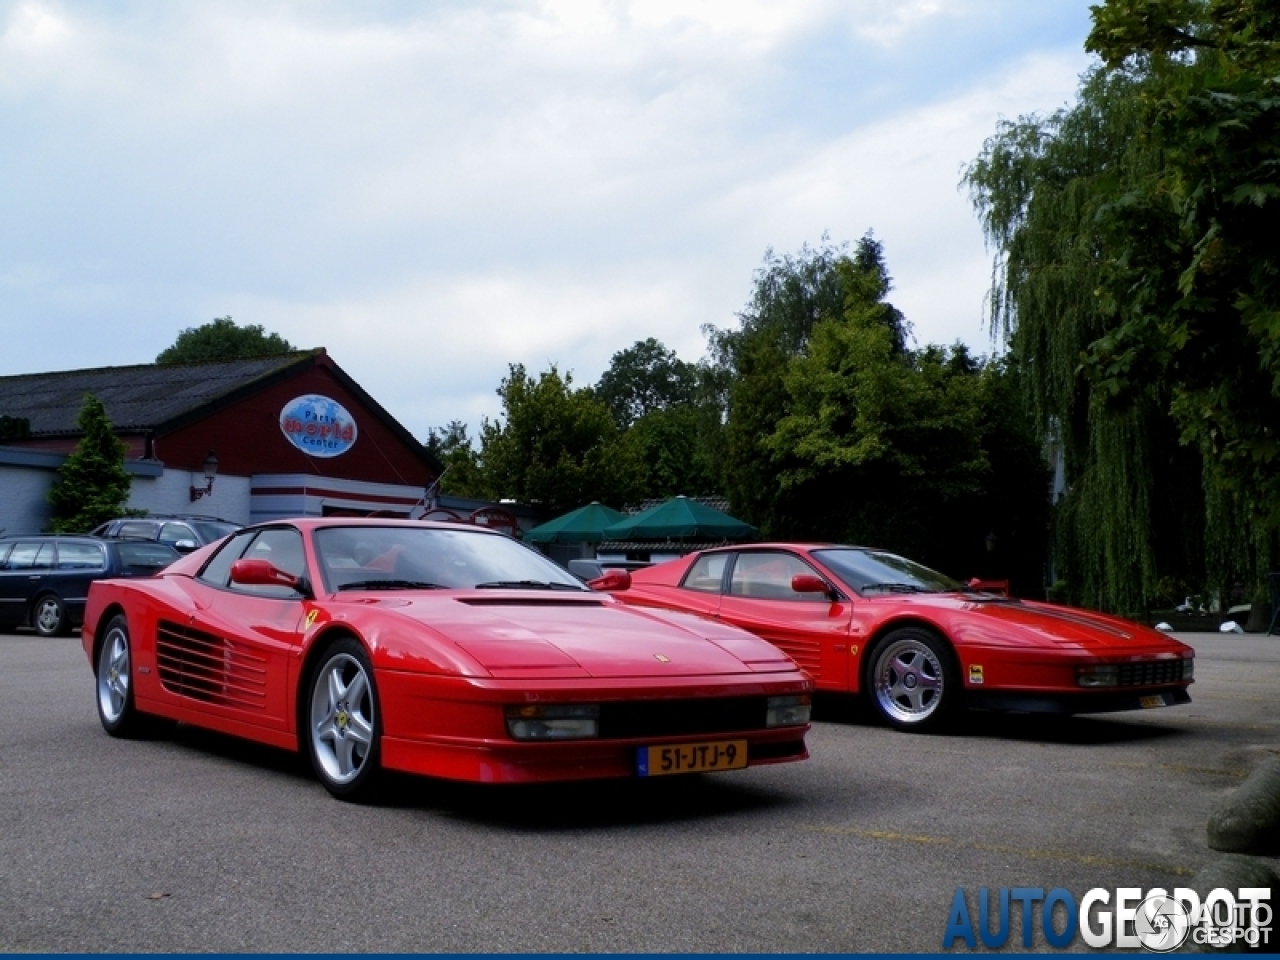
x,y
912,682
49,616
343,724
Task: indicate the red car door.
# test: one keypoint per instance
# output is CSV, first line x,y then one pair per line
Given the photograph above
x,y
235,653
810,627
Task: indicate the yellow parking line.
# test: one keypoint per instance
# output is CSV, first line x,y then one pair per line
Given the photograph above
x,y
1177,768
1030,853
1200,722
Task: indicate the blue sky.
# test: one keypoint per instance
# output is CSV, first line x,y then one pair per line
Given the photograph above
x,y
435,190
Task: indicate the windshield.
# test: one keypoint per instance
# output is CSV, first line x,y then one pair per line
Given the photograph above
x,y
874,571
409,558
211,530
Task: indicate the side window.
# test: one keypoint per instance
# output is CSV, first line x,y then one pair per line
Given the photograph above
x,y
767,576
23,556
283,547
707,573
4,553
80,556
139,529
218,570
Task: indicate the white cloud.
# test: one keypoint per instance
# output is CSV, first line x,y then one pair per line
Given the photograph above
x,y
434,192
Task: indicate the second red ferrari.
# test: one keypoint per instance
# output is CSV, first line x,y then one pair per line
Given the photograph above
x,y
917,644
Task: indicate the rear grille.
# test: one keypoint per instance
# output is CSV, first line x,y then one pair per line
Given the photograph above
x,y
669,718
209,668
1150,674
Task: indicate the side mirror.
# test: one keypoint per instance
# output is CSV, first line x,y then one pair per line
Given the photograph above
x,y
808,583
262,573
611,580
185,546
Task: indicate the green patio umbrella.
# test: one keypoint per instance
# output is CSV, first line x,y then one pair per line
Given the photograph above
x,y
583,525
680,518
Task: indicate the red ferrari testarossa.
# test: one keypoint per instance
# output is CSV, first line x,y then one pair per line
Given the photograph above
x,y
915,643
436,649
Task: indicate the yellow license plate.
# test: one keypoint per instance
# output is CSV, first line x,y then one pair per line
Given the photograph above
x,y
691,758
1154,701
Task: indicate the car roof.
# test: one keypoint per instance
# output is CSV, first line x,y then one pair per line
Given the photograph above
x,y
53,536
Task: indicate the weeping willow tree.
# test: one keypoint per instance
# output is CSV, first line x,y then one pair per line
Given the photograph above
x,y
1137,284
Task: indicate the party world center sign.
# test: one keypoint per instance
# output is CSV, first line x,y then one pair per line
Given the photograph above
x,y
318,425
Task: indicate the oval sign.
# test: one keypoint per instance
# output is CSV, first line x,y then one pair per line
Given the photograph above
x,y
319,426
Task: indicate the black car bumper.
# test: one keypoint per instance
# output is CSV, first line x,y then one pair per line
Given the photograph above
x,y
1084,702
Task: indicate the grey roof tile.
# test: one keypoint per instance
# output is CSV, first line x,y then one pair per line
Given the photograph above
x,y
137,397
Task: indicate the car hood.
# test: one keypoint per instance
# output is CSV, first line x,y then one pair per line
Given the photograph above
x,y
1087,629
513,634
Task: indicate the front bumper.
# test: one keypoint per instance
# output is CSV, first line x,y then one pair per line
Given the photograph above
x,y
455,728
1084,701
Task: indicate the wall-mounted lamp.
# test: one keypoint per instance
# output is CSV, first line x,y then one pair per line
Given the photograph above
x,y
210,471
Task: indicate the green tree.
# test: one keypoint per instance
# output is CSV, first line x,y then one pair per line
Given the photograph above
x,y
555,445
644,378
452,447
838,430
907,451
748,365
1137,285
670,446
222,339
92,485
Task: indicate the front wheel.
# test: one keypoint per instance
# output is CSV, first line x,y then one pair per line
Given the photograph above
x,y
49,616
343,725
911,681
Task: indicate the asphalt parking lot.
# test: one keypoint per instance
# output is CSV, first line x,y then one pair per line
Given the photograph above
x,y
200,843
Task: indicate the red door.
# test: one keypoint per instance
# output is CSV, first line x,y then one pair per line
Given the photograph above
x,y
811,628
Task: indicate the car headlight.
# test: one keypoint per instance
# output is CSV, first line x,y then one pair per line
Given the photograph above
x,y
792,711
553,721
1188,668
1101,676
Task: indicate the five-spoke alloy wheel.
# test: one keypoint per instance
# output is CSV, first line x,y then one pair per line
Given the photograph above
x,y
911,680
342,721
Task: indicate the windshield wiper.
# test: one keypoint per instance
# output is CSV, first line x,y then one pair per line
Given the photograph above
x,y
526,585
897,587
390,585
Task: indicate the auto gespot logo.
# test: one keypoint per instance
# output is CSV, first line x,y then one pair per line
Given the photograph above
x,y
1128,917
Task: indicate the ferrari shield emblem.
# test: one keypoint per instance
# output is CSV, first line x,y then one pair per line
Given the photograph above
x,y
975,673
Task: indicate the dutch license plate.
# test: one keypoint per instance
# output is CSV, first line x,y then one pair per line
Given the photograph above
x,y
691,758
1156,700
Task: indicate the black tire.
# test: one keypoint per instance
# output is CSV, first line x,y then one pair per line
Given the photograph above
x,y
341,721
912,681
113,676
49,615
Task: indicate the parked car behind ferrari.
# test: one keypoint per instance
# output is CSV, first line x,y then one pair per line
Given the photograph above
x,y
44,578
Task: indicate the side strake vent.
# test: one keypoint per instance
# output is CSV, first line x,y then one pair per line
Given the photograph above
x,y
209,668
